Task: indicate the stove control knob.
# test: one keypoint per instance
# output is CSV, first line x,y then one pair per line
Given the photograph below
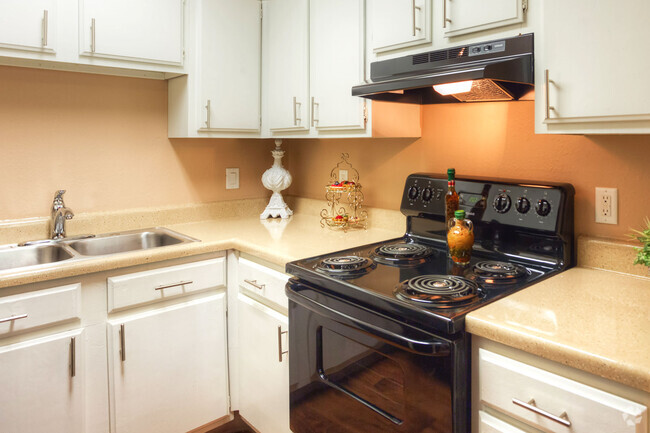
x,y
522,205
413,193
543,207
502,203
427,195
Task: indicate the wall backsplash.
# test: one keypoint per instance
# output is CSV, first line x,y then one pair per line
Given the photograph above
x,y
104,140
490,140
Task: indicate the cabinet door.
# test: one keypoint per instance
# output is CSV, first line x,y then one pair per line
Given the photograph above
x,y
399,23
41,389
140,30
263,369
288,64
597,79
336,63
468,16
28,25
230,56
168,368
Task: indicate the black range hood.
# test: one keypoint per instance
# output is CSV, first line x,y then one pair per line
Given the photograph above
x,y
500,70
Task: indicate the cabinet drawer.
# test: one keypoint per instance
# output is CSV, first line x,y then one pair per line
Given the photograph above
x,y
39,308
165,283
489,424
263,282
507,385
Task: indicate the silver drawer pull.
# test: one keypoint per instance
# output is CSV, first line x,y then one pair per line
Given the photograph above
x,y
12,318
122,343
562,419
169,286
280,351
73,356
254,284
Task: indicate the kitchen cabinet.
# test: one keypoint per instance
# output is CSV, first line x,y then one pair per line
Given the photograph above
x,y
514,392
148,31
168,367
399,24
262,378
286,25
42,382
589,74
29,26
469,16
222,94
336,64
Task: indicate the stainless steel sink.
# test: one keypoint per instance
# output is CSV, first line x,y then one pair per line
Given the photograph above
x,y
13,257
128,241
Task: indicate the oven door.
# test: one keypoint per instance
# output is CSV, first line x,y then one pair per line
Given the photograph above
x,y
353,370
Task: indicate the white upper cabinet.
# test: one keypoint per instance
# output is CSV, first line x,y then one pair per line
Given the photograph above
x,y
336,64
591,76
399,23
229,65
467,16
287,32
140,30
28,26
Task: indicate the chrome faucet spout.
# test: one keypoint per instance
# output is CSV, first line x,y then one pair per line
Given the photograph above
x,y
60,213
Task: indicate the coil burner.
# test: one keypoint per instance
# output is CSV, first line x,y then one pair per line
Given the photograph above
x,y
345,266
402,254
493,272
442,291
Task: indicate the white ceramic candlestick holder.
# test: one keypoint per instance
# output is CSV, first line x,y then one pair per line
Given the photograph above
x,y
276,178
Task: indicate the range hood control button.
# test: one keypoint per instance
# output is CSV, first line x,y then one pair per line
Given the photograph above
x,y
522,205
413,193
427,194
543,207
502,203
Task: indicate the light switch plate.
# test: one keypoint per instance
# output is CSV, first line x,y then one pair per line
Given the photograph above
x,y
343,175
607,205
232,178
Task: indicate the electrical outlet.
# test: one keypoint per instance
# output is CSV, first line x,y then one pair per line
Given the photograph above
x,y
343,175
607,205
232,178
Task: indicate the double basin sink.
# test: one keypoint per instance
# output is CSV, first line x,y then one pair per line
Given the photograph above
x,y
53,251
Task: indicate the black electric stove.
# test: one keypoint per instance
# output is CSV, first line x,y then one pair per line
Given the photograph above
x,y
413,299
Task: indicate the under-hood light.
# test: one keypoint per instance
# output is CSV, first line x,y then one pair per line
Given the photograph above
x,y
453,88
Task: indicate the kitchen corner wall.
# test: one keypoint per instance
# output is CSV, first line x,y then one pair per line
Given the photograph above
x,y
490,140
104,140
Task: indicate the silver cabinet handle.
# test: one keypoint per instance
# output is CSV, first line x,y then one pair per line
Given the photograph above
x,y
122,343
415,27
254,284
92,35
296,112
445,20
547,102
44,28
207,118
12,318
280,351
169,286
313,111
73,356
562,419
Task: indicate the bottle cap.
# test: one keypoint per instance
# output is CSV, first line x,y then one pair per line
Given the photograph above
x,y
451,172
459,214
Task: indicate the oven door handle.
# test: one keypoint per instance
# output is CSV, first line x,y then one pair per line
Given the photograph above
x,y
408,337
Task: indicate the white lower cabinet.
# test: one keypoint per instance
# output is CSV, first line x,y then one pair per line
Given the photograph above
x,y
263,366
42,384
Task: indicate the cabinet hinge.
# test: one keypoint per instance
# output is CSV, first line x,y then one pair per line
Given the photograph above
x,y
261,11
524,5
229,405
365,113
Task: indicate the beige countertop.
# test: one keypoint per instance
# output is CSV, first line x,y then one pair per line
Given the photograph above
x,y
274,240
594,320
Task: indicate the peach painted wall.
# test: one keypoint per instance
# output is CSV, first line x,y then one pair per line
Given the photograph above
x,y
490,140
104,140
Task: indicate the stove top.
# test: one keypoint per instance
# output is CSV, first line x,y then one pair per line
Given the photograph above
x,y
412,279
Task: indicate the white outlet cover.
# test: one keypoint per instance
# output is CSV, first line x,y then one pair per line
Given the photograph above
x,y
606,205
232,178
343,175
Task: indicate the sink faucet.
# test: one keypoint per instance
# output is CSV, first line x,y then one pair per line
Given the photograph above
x,y
60,213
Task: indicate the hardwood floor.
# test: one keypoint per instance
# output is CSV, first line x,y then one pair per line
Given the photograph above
x,y
235,426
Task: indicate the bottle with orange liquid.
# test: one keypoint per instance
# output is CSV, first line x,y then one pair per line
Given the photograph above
x,y
460,238
451,198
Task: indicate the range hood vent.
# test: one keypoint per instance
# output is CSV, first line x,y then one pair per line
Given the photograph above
x,y
500,70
